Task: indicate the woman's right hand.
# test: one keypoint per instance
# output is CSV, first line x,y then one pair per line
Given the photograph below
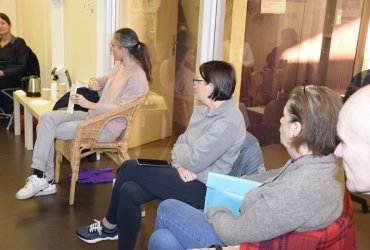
x,y
186,175
82,101
94,85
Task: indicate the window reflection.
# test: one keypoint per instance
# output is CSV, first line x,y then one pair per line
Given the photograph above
x,y
184,73
169,28
312,42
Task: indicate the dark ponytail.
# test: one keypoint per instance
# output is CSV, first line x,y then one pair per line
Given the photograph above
x,y
127,38
141,53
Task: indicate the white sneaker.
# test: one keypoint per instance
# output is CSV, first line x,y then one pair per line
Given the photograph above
x,y
51,189
33,185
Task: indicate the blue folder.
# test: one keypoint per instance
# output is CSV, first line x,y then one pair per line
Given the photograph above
x,y
227,191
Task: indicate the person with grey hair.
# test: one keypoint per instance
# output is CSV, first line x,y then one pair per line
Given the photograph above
x,y
303,195
354,135
127,82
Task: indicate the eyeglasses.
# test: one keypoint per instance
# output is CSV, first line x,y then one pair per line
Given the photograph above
x,y
113,45
196,81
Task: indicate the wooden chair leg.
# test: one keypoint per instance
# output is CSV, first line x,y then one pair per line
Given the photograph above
x,y
73,187
58,158
362,201
126,156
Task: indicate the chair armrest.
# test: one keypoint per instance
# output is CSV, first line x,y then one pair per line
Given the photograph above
x,y
89,131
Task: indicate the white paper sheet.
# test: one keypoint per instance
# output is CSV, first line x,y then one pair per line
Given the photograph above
x,y
70,103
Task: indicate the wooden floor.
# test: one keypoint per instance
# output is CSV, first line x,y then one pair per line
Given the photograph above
x,y
45,223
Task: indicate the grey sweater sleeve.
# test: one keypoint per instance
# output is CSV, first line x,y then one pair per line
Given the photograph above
x,y
266,219
264,176
220,137
212,140
303,200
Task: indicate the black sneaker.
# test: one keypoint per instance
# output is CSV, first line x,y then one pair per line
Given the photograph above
x,y
96,232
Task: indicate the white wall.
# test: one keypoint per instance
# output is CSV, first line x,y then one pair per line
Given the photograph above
x,y
35,22
80,39
8,7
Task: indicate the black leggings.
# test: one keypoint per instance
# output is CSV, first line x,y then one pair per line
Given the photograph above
x,y
136,185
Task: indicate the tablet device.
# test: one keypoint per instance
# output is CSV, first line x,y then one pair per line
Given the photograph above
x,y
153,163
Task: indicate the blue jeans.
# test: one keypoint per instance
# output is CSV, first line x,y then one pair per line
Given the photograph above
x,y
180,226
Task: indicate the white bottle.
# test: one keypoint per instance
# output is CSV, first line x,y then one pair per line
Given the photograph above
x,y
54,91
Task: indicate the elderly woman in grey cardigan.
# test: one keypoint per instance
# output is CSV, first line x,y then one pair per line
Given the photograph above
x,y
303,195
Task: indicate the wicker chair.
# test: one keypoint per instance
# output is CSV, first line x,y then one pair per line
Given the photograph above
x,y
86,140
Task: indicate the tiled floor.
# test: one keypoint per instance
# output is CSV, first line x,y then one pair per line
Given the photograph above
x,y
45,223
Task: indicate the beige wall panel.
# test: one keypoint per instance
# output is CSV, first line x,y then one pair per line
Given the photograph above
x,y
80,39
237,39
34,20
191,12
362,61
8,7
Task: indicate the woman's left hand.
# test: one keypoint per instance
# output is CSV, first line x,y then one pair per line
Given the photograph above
x,y
1,73
186,175
82,101
94,85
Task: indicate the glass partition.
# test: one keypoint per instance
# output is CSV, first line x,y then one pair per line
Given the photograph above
x,y
287,44
169,28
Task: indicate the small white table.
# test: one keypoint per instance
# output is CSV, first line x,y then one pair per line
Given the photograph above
x,y
33,107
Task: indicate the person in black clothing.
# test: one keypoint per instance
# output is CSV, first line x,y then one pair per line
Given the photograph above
x,y
14,55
